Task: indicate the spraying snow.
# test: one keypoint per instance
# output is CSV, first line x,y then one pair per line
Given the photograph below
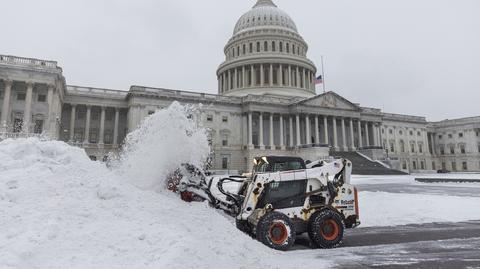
x,y
164,140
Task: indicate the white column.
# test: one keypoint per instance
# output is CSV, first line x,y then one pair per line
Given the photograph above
x,y
271,75
360,139
282,138
367,136
280,75
304,79
297,122
102,125
224,82
308,135
344,135
375,134
260,139
27,112
290,121
352,135
50,116
235,80
244,80
290,76
250,131
73,114
87,125
272,144
5,120
317,132
297,84
325,129
262,75
252,76
335,136
229,80
115,128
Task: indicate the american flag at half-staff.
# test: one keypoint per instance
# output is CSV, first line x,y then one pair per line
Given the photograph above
x,y
319,80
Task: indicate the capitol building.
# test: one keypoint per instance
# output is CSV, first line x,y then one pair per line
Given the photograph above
x,y
266,104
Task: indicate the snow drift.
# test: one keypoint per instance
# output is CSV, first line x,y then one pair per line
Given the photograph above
x,y
58,209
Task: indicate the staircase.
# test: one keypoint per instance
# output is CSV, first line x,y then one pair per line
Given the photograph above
x,y
364,166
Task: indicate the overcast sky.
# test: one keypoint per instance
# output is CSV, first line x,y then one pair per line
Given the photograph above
x,y
419,57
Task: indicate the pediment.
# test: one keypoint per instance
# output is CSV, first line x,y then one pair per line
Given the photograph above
x,y
329,100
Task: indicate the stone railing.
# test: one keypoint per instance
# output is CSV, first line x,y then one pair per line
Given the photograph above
x,y
27,61
391,116
95,91
5,135
184,94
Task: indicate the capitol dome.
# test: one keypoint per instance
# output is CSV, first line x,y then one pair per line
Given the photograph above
x,y
266,55
265,14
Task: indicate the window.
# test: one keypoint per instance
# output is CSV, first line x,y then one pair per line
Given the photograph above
x,y
464,166
404,165
440,137
265,46
454,166
452,149
251,47
42,98
281,47
108,137
258,46
151,112
244,51
17,125
414,165
478,133
402,146
462,149
95,116
225,141
38,129
21,96
81,114
433,166
450,136
109,116
93,137
209,118
478,148
412,147
392,147
390,131
411,132
288,48
400,132
224,162
383,131
422,165
293,48
225,119
274,48
420,148
238,51
460,135
442,150
419,134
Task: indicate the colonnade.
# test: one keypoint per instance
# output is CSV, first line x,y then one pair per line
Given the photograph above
x,y
88,123
266,75
309,130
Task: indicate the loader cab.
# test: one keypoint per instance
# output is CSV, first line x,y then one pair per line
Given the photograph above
x,y
269,164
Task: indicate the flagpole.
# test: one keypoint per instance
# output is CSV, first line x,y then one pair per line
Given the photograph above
x,y
323,77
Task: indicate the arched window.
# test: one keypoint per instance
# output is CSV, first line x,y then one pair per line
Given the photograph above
x,y
238,51
298,50
288,48
258,46
244,49
281,47
251,47
265,46
293,48
274,46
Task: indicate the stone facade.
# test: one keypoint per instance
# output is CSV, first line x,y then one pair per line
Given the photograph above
x,y
266,104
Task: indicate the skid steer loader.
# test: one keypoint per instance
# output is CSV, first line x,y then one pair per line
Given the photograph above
x,y
282,198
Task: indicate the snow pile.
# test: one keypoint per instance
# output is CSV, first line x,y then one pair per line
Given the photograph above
x,y
60,210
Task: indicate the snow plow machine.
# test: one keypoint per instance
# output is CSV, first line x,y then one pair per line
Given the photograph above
x,y
282,198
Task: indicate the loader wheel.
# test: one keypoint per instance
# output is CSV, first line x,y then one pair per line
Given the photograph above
x,y
326,228
243,226
276,230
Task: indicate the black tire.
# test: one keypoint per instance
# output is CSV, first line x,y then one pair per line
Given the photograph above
x,y
276,230
326,228
243,226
